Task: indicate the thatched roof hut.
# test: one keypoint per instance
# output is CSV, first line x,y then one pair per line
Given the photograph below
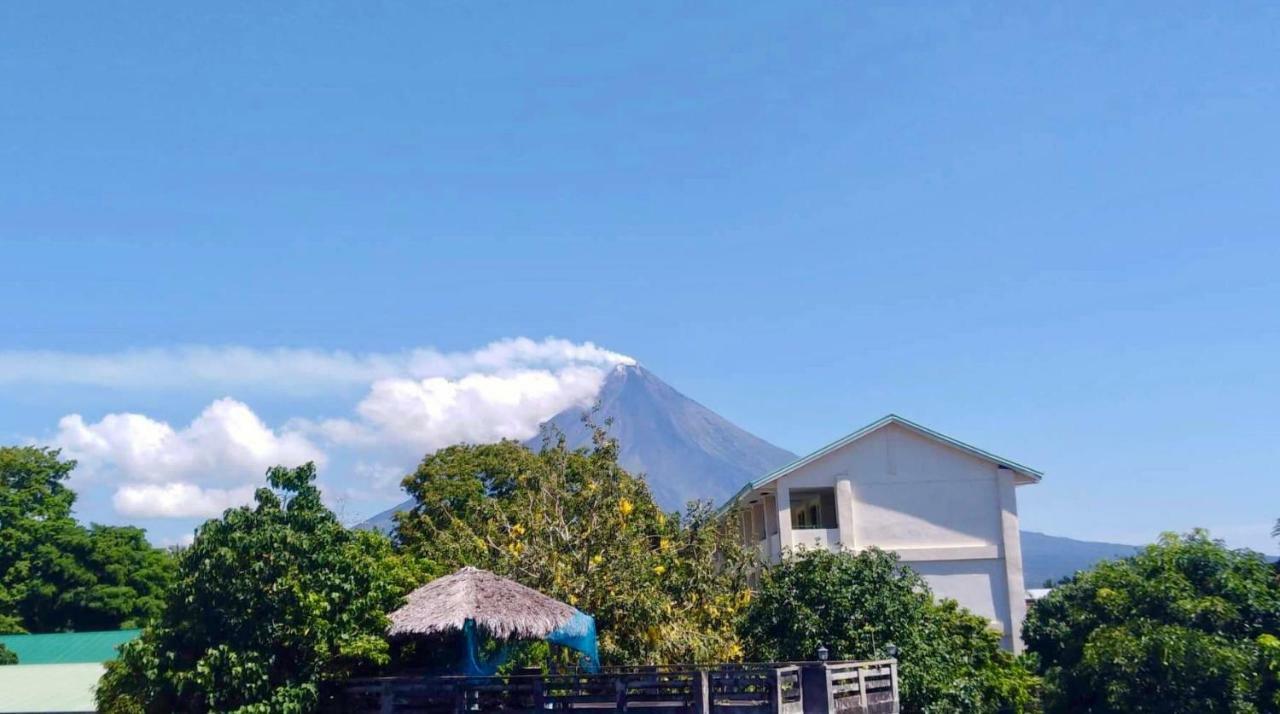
x,y
502,608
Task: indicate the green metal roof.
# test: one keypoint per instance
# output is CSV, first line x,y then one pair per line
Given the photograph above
x,y
49,688
67,647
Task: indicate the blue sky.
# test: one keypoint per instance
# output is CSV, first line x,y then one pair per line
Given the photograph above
x,y
1051,231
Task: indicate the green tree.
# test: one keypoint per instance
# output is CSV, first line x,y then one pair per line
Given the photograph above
x,y
271,601
1184,626
58,575
856,605
7,656
35,505
576,526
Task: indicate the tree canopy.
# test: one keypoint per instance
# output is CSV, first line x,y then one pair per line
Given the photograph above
x,y
1184,626
271,600
576,526
857,605
56,574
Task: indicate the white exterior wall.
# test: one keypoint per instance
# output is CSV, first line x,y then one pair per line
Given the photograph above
x,y
950,515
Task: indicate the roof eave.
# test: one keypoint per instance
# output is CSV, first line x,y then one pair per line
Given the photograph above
x,y
1033,475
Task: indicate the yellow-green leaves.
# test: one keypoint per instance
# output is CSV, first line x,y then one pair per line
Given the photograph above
x,y
575,525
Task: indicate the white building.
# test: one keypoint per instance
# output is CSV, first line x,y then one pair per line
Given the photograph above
x,y
947,508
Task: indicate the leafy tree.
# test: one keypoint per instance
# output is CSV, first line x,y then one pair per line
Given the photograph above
x,y
576,526
271,600
131,580
34,504
58,575
7,656
856,605
1184,626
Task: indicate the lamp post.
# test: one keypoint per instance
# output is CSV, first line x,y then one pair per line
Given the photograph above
x,y
822,653
891,650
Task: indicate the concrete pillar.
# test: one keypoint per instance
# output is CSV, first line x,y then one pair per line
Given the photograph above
x,y
784,515
844,513
770,515
1012,551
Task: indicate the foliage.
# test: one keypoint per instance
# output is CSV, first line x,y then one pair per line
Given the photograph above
x,y
58,575
271,601
7,656
576,526
1184,626
856,605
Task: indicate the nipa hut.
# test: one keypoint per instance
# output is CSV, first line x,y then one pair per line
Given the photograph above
x,y
476,602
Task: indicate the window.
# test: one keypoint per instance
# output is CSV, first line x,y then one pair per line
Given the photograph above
x,y
813,508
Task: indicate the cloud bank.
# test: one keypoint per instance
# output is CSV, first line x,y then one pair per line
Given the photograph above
x,y
162,468
416,402
288,369
427,414
226,439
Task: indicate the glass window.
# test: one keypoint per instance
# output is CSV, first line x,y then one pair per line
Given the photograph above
x,y
813,508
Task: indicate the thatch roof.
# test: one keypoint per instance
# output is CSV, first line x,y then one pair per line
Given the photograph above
x,y
501,607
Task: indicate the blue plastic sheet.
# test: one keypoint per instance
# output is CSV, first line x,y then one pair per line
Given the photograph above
x,y
473,664
578,634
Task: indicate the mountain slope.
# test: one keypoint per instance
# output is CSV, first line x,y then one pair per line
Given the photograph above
x,y
686,451
1050,558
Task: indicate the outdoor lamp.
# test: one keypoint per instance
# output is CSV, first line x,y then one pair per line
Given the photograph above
x,y
891,650
822,653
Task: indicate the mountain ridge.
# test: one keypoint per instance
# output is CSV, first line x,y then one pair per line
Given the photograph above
x,y
685,450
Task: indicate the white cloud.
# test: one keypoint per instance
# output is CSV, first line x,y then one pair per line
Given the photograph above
x,y
430,413
291,370
178,500
227,443
163,468
417,401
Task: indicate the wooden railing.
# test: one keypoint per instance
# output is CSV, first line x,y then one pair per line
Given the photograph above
x,y
727,689
864,687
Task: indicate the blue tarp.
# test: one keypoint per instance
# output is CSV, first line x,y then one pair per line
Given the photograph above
x,y
578,634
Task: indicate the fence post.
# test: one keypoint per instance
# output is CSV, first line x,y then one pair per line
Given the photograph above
x,y
775,692
539,693
893,678
620,686
862,688
815,689
701,693
459,698
386,699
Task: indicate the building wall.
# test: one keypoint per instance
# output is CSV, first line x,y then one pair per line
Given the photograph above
x,y
950,515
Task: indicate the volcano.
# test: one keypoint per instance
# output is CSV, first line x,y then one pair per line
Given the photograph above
x,y
684,450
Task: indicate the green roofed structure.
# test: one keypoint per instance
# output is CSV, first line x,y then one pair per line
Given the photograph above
x,y
57,673
68,647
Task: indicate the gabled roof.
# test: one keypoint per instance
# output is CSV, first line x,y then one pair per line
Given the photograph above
x,y
68,647
926,432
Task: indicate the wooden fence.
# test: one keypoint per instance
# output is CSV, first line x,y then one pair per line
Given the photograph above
x,y
861,687
788,688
